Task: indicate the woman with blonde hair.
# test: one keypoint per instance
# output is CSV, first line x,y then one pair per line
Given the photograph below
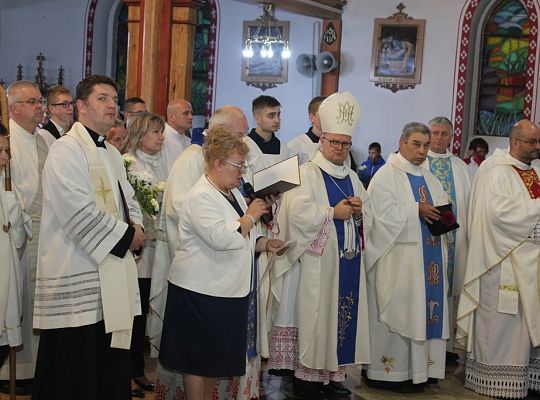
x,y
147,174
206,317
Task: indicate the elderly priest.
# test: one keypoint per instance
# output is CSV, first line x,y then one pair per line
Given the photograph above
x,y
406,265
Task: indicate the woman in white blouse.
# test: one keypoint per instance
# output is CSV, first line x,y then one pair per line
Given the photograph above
x,y
205,325
144,163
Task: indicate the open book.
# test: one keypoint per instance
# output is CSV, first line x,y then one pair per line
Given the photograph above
x,y
277,178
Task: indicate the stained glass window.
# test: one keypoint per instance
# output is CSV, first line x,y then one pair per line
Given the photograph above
x,y
505,44
201,55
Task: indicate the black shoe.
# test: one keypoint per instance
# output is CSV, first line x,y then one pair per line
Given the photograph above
x,y
308,390
23,387
137,393
336,389
432,381
451,359
281,372
147,387
397,387
408,387
382,385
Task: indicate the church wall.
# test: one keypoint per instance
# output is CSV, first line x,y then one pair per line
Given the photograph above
x,y
55,28
384,113
294,96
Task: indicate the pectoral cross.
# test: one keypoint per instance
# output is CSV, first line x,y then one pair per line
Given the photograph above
x,y
7,227
103,191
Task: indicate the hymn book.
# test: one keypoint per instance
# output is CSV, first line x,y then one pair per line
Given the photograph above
x,y
278,178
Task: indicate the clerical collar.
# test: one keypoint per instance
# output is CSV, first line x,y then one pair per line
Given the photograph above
x,y
337,171
446,154
520,164
314,138
270,146
405,165
98,139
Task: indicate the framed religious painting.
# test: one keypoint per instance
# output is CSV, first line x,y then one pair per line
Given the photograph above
x,y
396,57
265,69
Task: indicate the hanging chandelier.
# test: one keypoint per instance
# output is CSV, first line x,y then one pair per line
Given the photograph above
x,y
267,37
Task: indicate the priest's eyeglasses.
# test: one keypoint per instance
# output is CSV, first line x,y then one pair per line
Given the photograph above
x,y
64,104
241,167
529,142
32,101
337,143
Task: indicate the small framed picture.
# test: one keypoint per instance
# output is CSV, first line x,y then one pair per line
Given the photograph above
x,y
396,58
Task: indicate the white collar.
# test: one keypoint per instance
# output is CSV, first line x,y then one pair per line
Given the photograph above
x,y
61,130
397,160
337,171
510,160
24,133
446,154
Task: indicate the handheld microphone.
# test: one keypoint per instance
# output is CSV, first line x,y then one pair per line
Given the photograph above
x,y
250,194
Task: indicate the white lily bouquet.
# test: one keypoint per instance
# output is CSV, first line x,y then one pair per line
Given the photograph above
x,y
147,190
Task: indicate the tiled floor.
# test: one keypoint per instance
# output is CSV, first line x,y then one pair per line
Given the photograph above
x,y
278,388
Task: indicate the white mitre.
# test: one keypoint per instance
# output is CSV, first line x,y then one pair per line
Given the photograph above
x,y
339,113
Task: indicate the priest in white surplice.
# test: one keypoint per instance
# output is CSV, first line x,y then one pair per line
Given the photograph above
x,y
12,237
453,174
500,303
306,144
320,284
179,122
407,282
28,151
87,294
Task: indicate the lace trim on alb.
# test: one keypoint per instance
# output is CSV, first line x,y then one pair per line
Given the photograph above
x,y
534,374
284,355
503,381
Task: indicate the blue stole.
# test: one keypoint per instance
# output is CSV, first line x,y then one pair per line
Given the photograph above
x,y
441,167
252,302
252,322
432,251
241,187
252,312
349,274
